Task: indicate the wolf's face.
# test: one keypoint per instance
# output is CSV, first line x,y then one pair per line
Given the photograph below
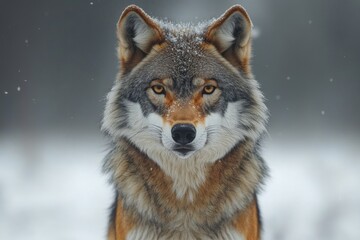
x,y
185,91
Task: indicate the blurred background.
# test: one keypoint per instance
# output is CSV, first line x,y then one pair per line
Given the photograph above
x,y
57,63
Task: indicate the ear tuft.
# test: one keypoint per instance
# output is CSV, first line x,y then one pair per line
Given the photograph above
x,y
137,34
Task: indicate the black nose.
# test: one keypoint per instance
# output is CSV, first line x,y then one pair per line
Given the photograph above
x,y
183,133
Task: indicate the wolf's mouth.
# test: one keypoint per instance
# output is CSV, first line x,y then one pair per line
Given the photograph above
x,y
183,150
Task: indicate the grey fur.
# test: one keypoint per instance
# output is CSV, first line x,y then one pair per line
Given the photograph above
x,y
182,60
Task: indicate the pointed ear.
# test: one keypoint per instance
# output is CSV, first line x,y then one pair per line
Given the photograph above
x,y
137,33
231,35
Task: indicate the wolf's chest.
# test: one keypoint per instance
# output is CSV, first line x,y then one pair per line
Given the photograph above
x,y
151,233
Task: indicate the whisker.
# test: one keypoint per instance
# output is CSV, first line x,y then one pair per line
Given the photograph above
x,y
137,132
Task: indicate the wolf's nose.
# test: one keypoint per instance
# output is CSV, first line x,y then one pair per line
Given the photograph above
x,y
183,133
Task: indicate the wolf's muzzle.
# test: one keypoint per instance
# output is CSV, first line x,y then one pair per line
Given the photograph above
x,y
183,133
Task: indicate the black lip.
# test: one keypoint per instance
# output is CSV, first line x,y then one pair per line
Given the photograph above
x,y
183,149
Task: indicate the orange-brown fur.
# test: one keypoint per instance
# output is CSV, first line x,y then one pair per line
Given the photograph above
x,y
242,61
122,223
248,222
128,62
184,112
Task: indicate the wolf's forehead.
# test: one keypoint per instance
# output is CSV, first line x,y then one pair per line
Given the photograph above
x,y
183,52
185,44
185,39
185,56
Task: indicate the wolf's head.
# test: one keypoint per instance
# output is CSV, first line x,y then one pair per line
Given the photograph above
x,y
184,90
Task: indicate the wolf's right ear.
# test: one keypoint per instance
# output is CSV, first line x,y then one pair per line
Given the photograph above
x,y
137,34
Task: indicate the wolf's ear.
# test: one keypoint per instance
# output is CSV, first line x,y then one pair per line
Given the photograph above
x,y
137,34
231,35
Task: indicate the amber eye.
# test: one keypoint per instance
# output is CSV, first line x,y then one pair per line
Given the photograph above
x,y
158,89
208,89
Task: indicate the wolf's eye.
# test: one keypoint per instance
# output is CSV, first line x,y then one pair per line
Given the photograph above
x,y
208,89
158,89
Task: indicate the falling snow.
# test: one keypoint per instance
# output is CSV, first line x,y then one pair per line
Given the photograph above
x,y
331,79
6,93
288,78
310,21
18,88
255,33
91,3
322,112
278,97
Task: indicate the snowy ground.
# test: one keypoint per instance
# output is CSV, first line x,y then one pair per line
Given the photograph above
x,y
313,192
53,188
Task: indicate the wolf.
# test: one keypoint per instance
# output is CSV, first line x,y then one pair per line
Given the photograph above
x,y
185,118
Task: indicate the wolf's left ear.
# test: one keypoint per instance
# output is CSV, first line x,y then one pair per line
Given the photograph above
x,y
137,34
231,35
